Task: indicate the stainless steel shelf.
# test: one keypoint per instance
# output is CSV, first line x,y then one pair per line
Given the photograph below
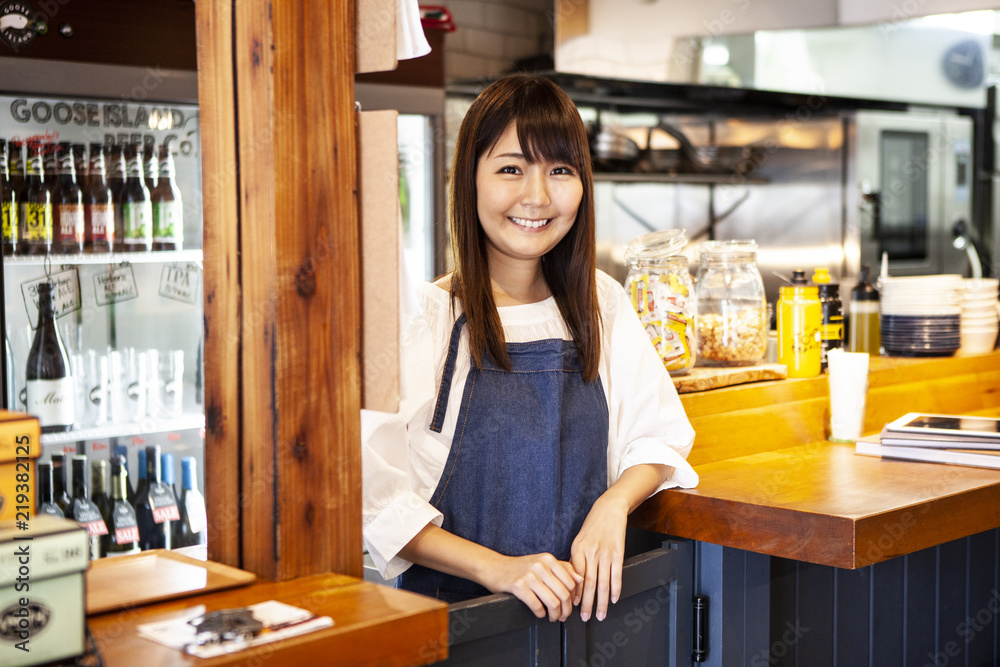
x,y
123,430
158,256
686,179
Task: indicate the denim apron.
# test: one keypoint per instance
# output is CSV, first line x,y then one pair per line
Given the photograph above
x,y
528,459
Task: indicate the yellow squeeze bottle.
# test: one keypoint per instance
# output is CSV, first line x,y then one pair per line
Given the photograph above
x,y
799,321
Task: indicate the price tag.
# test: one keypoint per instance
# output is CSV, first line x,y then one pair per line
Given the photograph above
x,y
180,283
118,284
66,298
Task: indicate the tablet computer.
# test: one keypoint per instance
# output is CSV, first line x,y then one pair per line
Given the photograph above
x,y
962,427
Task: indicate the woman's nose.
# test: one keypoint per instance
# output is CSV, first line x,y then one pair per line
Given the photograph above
x,y
536,190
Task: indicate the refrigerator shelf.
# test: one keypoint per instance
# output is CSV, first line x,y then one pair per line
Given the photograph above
x,y
126,429
157,256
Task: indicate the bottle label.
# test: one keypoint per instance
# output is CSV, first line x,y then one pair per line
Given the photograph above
x,y
124,524
196,517
37,221
52,401
138,218
52,509
167,220
102,222
88,516
70,227
9,221
164,505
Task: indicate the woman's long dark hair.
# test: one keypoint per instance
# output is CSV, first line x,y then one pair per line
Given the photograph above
x,y
549,128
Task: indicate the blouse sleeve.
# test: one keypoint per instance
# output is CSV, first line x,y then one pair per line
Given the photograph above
x,y
395,498
648,423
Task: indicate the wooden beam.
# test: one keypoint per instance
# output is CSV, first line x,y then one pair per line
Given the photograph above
x,y
297,295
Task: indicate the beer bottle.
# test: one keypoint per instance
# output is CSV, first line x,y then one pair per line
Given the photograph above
x,y
98,206
50,165
137,212
67,203
168,209
116,181
16,165
36,206
81,166
8,205
151,171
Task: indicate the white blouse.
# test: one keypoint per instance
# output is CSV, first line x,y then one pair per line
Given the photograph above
x,y
402,458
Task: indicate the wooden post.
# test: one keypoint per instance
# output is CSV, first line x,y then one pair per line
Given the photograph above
x,y
282,296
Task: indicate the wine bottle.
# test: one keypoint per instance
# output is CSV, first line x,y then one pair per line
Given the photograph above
x,y
67,205
192,528
16,166
11,403
84,511
50,390
167,472
59,493
123,528
168,208
122,451
8,204
35,214
99,496
137,211
46,501
141,487
98,205
157,509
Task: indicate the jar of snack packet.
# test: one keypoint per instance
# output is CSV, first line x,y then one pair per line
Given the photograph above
x,y
732,308
660,288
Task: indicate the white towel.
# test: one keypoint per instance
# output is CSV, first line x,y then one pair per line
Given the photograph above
x,y
410,39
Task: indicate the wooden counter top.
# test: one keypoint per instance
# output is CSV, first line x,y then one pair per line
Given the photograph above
x,y
785,491
373,625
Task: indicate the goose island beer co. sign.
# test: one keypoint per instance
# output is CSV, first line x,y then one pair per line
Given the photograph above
x,y
21,23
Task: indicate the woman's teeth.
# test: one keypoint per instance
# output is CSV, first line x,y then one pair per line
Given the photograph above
x,y
531,224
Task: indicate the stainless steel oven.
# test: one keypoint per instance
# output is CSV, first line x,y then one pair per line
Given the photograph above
x,y
908,191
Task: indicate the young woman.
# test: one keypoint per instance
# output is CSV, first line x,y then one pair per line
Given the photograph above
x,y
535,414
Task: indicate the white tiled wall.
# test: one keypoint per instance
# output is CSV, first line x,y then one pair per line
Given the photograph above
x,y
493,34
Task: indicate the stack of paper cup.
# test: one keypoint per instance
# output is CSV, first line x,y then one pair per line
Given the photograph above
x,y
848,393
979,315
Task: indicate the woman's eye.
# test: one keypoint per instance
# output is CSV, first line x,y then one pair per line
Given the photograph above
x,y
509,169
563,171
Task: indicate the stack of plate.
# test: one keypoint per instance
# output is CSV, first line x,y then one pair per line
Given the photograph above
x,y
979,315
920,315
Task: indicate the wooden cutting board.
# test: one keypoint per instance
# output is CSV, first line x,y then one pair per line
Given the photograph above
x,y
700,379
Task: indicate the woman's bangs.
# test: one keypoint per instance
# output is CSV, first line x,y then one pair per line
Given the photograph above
x,y
545,138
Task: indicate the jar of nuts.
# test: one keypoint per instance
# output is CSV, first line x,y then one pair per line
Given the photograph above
x,y
732,309
662,293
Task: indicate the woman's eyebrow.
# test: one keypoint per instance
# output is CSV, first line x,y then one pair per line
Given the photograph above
x,y
509,155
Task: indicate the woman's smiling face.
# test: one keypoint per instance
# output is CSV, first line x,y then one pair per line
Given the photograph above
x,y
525,208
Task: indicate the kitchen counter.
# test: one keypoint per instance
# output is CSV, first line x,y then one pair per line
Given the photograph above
x,y
772,484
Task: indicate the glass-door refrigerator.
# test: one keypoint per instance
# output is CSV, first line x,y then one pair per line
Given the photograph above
x,y
129,316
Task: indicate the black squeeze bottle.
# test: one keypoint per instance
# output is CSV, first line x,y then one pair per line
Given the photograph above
x,y
49,382
156,510
85,512
8,204
46,501
123,528
59,494
35,202
192,528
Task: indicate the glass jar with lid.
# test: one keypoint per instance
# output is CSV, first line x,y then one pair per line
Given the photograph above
x,y
732,308
662,293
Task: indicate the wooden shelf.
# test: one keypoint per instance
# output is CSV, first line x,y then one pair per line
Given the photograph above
x,y
771,483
